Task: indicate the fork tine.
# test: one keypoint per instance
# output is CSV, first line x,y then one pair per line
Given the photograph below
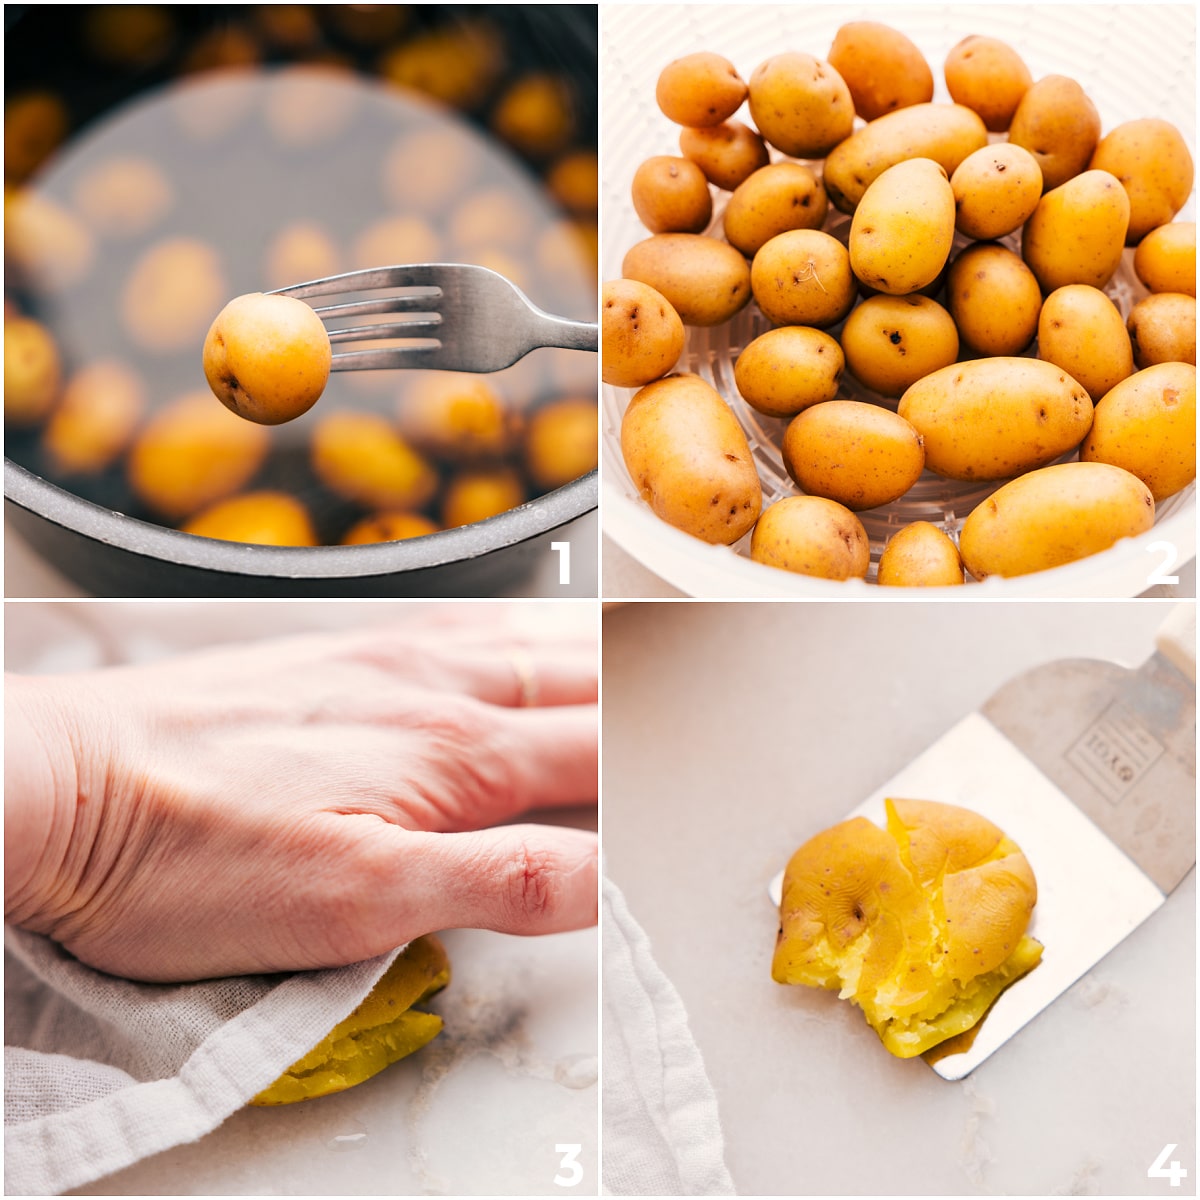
x,y
421,353
400,329
384,304
420,275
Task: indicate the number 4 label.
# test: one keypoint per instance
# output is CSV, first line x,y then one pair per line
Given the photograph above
x,y
570,1152
1174,1172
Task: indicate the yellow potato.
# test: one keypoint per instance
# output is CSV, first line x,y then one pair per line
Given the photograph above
x,y
705,281
994,417
1081,330
1077,232
988,76
883,69
903,228
455,416
1059,126
892,341
259,518
728,153
96,418
172,293
457,63
393,526
1147,424
46,245
774,200
641,335
123,197
920,555
1054,516
690,460
426,169
993,298
946,133
574,181
800,104
810,535
699,90
32,372
1162,328
536,114
1165,259
395,241
1151,160
562,443
477,495
362,458
788,369
803,278
670,195
298,253
996,190
858,454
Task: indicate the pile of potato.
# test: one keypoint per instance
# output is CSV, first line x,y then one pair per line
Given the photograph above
x,y
942,337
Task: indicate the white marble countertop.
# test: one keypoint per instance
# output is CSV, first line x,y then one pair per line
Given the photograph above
x,y
732,732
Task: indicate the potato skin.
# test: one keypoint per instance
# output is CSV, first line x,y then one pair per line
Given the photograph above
x,y
883,69
689,459
705,281
920,555
1151,160
989,77
1165,259
728,153
1077,232
1059,126
1054,516
800,104
670,195
700,90
1081,331
996,190
903,228
947,133
1147,424
775,199
786,370
892,341
994,299
641,335
1162,328
803,278
995,417
858,454
812,536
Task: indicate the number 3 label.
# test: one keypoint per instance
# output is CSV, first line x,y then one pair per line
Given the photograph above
x,y
1158,1170
570,1164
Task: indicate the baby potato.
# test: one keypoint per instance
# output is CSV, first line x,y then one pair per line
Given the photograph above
x,y
267,357
392,241
563,442
96,418
32,372
699,90
670,195
788,369
492,217
477,495
994,417
994,299
988,76
34,124
1077,232
48,247
1151,160
574,181
171,294
1080,329
426,169
394,526
1162,328
259,518
803,278
689,459
858,454
123,197
1054,516
996,190
192,453
810,535
800,104
920,555
903,228
456,417
1057,123
641,335
536,115
299,252
1165,259
892,341
458,63
1147,425
946,133
775,199
362,458
705,281
883,69
728,153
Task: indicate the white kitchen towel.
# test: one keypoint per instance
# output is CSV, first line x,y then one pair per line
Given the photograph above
x,y
101,1072
662,1132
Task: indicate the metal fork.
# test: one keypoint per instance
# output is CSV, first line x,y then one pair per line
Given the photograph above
x,y
466,318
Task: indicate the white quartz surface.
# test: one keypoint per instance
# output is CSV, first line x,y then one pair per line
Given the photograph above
x,y
731,734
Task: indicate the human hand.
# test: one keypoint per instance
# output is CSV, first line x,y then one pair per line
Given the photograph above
x,y
303,802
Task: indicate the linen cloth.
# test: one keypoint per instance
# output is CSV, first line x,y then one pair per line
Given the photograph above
x,y
662,1131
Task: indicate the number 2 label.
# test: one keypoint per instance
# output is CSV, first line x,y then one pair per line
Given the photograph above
x,y
1170,557
570,1152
